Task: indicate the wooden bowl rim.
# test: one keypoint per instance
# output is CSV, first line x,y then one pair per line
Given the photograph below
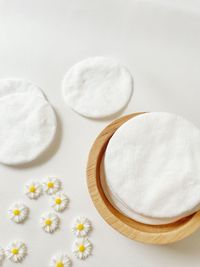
x,y
134,230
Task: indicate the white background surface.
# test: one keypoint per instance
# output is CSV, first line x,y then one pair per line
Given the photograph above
x,y
159,41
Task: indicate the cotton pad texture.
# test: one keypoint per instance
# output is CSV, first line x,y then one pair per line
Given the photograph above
x,y
27,122
152,169
97,87
19,86
124,209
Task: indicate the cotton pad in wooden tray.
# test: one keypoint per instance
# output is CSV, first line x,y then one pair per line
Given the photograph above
x,y
157,234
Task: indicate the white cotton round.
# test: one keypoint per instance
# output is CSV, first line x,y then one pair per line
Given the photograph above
x,y
19,86
97,87
152,166
124,209
28,126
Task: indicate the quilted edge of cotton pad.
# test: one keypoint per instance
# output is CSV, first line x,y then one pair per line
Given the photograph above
x,y
90,115
190,211
124,209
22,162
36,90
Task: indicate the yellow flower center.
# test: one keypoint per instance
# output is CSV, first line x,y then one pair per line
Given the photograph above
x,y
81,248
50,185
58,201
32,189
80,227
48,222
15,251
59,264
16,212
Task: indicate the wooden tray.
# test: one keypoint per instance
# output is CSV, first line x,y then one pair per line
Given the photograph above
x,y
154,234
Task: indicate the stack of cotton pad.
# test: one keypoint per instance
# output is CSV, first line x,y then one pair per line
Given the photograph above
x,y
152,170
27,122
97,87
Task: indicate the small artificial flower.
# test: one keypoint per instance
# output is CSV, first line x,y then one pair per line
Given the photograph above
x,y
50,222
2,255
59,202
16,251
82,248
18,212
51,185
33,189
81,227
60,260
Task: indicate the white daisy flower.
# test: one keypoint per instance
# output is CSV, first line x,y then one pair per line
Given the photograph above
x,y
59,202
81,227
50,222
18,212
60,260
16,251
2,255
51,185
33,189
82,248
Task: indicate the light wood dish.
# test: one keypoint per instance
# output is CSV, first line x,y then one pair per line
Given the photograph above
x,y
158,234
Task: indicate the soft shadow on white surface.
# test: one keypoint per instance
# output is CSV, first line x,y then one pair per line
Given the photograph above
x,y
185,250
168,59
189,247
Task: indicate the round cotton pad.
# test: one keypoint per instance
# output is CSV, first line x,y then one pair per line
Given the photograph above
x,y
97,87
124,209
16,86
152,165
28,125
